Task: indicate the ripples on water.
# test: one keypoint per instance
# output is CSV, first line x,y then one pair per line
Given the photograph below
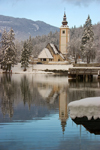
x,y
33,113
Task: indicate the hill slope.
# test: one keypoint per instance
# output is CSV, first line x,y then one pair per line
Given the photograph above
x,y
23,28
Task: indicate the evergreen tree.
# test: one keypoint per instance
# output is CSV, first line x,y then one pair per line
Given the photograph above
x,y
87,47
25,56
11,38
8,49
30,46
9,58
4,42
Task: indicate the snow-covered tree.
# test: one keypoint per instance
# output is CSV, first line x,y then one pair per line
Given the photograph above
x,y
4,42
74,50
30,46
25,56
8,49
87,45
19,46
11,38
9,58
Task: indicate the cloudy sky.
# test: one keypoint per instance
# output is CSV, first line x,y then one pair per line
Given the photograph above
x,y
51,11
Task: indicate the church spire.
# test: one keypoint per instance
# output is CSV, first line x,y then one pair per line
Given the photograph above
x,y
64,22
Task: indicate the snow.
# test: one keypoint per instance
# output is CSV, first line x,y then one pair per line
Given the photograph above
x,y
37,27
49,79
88,107
61,56
45,92
38,68
45,54
54,48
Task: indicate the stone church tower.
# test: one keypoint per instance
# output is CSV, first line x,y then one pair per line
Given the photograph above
x,y
64,37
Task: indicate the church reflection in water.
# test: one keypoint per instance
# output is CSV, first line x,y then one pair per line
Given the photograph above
x,y
53,91
63,113
34,92
41,94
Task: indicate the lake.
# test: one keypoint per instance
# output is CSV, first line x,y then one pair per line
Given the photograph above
x,y
34,113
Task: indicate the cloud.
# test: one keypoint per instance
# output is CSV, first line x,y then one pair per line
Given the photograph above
x,y
81,2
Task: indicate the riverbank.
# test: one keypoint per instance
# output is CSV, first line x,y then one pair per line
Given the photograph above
x,y
40,68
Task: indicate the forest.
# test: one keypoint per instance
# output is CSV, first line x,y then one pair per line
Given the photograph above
x,y
40,42
82,40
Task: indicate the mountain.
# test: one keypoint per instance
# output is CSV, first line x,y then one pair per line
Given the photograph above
x,y
23,28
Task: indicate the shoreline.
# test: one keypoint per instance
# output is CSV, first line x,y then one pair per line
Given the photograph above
x,y
39,69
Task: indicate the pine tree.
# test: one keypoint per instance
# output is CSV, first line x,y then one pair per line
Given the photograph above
x,y
30,46
25,56
11,38
9,58
8,49
87,47
4,42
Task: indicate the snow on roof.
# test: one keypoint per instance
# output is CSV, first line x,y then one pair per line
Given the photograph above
x,y
61,55
45,53
54,48
45,92
88,107
56,51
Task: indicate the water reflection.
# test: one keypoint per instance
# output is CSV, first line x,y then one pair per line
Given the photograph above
x,y
8,91
80,90
52,93
36,107
53,89
25,91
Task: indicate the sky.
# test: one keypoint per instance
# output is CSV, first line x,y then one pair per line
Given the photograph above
x,y
52,11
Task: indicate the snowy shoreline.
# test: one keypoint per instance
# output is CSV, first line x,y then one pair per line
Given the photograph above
x,y
39,68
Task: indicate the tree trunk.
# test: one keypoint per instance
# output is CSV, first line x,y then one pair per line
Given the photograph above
x,y
24,68
76,60
88,59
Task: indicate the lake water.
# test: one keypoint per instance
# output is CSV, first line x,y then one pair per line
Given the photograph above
x,y
34,115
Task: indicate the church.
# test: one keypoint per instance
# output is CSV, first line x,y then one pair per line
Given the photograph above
x,y
51,53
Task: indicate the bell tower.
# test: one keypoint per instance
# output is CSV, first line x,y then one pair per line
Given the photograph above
x,y
64,36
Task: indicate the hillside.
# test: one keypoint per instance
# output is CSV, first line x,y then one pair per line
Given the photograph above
x,y
23,28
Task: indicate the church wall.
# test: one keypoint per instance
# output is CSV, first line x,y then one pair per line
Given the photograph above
x,y
58,58
42,61
64,39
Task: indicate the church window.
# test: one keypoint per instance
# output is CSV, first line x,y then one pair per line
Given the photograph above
x,y
44,59
63,31
62,113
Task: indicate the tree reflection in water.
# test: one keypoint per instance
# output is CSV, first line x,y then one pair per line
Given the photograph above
x,y
25,90
43,95
7,94
38,115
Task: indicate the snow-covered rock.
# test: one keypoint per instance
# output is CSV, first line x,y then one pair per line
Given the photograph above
x,y
88,107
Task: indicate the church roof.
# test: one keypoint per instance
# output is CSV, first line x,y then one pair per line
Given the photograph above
x,y
54,48
45,92
45,53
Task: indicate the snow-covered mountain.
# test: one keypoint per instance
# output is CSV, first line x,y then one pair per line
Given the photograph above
x,y
23,28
